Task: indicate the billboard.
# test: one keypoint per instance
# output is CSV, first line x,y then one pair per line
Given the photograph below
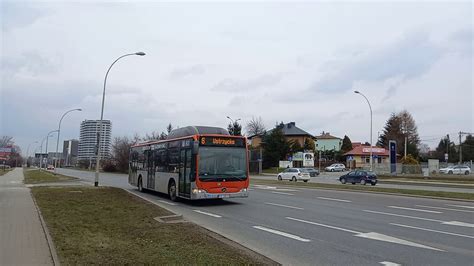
x,y
392,147
308,159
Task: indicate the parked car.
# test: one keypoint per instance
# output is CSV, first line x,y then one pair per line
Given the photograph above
x,y
456,169
312,172
335,167
50,167
359,176
294,174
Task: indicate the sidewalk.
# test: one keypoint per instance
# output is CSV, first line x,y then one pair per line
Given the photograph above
x,y
22,239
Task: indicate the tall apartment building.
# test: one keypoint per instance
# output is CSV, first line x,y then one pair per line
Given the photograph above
x,y
70,152
88,140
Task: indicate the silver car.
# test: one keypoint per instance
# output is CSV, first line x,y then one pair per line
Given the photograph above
x,y
456,170
335,167
294,174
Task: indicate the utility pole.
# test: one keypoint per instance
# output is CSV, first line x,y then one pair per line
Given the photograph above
x,y
447,148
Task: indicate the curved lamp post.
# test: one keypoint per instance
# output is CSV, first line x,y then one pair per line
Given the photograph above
x,y
97,165
59,132
47,139
370,107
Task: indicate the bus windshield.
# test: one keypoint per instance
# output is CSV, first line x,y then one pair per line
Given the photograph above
x,y
219,163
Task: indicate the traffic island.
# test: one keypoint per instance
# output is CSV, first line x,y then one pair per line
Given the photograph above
x,y
110,226
371,189
42,176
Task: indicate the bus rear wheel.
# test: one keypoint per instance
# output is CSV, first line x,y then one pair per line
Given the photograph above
x,y
172,191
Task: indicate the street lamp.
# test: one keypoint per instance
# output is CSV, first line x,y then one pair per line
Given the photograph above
x,y
47,139
59,132
97,165
370,107
233,120
28,152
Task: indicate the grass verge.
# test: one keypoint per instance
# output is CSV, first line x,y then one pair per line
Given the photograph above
x,y
439,178
4,171
110,226
40,176
349,187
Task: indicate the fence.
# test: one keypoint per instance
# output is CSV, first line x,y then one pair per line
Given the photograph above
x,y
410,169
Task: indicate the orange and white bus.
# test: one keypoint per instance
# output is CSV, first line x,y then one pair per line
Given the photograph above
x,y
194,162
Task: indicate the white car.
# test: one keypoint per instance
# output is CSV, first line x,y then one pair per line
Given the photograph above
x,y
294,174
456,170
335,167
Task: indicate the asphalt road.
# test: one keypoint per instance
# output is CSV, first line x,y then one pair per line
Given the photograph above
x,y
318,227
333,178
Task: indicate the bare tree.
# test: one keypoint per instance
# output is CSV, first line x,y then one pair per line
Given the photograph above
x,y
255,126
152,136
121,148
6,141
169,128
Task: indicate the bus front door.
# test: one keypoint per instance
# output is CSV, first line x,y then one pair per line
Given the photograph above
x,y
184,173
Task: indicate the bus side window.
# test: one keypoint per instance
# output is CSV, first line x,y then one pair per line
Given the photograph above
x,y
173,160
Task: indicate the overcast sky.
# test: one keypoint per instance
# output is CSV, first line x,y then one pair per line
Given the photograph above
x,y
205,61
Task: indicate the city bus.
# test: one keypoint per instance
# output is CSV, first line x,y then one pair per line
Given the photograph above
x,y
194,162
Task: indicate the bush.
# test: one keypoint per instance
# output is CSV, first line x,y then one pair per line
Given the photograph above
x,y
410,165
109,166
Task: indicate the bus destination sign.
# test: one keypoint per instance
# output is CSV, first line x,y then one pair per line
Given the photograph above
x,y
222,141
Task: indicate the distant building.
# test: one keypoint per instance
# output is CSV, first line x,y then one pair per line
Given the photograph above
x,y
88,140
70,152
359,156
290,131
327,142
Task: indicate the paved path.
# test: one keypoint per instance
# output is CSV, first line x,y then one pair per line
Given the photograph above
x,y
22,239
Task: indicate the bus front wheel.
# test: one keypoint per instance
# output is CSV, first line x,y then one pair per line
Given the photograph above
x,y
140,184
172,191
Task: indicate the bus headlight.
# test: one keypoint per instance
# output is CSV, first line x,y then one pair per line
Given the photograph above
x,y
198,191
243,190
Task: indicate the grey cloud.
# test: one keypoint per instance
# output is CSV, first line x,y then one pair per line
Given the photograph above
x,y
409,58
30,61
233,85
18,15
187,71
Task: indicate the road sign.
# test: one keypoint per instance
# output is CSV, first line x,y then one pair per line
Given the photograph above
x,y
392,145
446,157
350,158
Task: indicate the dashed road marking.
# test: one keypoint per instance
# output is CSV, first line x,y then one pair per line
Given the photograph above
x,y
273,231
286,206
431,230
370,235
457,223
389,263
461,206
413,209
208,213
441,208
341,200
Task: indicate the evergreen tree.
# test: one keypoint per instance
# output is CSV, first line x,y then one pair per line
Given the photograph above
x,y
235,129
444,146
346,144
396,128
309,145
295,146
169,128
468,148
275,148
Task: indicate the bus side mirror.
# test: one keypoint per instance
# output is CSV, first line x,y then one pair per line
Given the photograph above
x,y
195,147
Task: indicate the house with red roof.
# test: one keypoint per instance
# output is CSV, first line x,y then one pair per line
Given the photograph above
x,y
359,156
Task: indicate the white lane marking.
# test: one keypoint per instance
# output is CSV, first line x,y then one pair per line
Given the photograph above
x,y
413,209
441,208
324,225
341,200
370,235
166,202
295,237
207,213
431,230
264,187
282,193
405,216
389,263
459,224
391,239
286,189
286,206
461,206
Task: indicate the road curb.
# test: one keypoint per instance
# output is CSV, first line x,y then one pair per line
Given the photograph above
x,y
49,239
374,192
219,237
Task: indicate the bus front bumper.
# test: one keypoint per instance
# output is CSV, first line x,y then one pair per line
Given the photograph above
x,y
202,194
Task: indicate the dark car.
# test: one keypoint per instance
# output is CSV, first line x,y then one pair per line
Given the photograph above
x,y
312,172
359,176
